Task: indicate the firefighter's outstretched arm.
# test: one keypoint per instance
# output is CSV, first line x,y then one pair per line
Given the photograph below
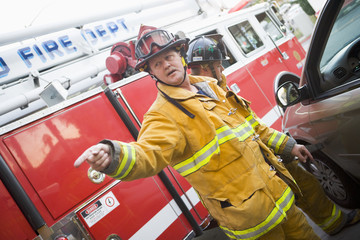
x,y
97,156
301,152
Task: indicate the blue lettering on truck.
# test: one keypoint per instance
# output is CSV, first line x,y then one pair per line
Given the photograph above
x,y
4,69
52,49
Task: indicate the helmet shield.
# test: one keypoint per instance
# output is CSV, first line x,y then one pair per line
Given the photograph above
x,y
151,42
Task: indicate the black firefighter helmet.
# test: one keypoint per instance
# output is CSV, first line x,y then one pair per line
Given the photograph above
x,y
206,48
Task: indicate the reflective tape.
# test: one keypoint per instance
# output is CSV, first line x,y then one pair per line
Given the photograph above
x,y
252,120
335,214
203,156
282,205
126,163
199,159
276,140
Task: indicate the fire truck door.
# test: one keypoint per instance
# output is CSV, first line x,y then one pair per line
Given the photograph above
x,y
288,49
13,224
44,151
252,77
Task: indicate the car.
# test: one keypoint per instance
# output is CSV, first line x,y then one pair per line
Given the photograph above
x,y
321,109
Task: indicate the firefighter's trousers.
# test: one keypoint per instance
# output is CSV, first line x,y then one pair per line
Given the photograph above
x,y
294,227
314,202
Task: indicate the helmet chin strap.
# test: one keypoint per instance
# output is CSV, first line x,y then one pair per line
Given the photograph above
x,y
211,65
170,99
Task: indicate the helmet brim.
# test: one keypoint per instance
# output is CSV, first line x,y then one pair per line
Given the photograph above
x,y
143,62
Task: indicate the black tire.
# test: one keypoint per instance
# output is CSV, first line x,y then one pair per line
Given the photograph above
x,y
337,185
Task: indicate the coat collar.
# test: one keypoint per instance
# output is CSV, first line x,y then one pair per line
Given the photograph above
x,y
182,94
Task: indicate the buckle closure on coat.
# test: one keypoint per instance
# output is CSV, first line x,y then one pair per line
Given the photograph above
x,y
232,111
256,137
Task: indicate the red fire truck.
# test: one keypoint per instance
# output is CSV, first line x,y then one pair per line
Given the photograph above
x,y
65,87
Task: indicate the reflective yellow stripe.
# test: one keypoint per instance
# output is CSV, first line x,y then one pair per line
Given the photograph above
x,y
203,156
278,213
252,120
278,144
199,159
244,131
335,214
225,134
276,140
126,163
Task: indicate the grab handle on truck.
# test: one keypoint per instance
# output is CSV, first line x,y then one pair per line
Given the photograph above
x,y
283,54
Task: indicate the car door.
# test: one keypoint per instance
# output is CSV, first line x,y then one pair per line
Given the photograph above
x,y
335,83
329,111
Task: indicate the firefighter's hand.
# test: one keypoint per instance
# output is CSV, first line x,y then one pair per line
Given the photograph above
x,y
97,156
302,153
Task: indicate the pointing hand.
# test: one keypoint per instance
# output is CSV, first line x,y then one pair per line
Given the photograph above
x,y
97,156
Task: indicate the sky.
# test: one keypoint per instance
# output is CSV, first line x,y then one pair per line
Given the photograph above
x,y
18,14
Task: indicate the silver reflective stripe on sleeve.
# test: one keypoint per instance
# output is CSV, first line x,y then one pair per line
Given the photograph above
x,y
275,141
126,163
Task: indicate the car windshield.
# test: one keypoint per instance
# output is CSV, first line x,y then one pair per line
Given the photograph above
x,y
345,30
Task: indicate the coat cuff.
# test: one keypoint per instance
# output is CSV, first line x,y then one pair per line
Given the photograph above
x,y
286,154
115,151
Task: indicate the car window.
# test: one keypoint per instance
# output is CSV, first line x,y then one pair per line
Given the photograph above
x,y
246,37
345,30
340,62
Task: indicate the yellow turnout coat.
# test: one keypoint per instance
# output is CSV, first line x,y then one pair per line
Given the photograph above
x,y
221,152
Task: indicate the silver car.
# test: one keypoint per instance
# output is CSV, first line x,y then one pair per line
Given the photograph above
x,y
322,108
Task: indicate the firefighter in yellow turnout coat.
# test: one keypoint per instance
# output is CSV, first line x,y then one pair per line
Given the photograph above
x,y
205,56
215,141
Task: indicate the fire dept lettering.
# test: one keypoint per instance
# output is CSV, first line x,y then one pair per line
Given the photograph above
x,y
99,209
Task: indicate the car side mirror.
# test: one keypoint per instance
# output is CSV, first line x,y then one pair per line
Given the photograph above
x,y
288,94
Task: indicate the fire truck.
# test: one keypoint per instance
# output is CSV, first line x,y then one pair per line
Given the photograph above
x,y
66,86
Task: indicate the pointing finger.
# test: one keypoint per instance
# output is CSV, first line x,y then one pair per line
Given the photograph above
x,y
81,159
88,153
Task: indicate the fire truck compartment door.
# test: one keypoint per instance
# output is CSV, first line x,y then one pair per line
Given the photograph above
x,y
46,150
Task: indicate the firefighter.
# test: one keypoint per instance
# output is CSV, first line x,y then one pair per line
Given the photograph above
x,y
213,139
204,57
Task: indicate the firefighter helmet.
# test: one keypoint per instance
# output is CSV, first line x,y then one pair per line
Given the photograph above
x,y
206,48
151,42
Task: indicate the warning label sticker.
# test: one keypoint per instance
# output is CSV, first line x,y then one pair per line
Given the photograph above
x,y
99,209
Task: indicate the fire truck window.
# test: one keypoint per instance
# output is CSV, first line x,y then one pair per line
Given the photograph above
x,y
269,26
246,37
